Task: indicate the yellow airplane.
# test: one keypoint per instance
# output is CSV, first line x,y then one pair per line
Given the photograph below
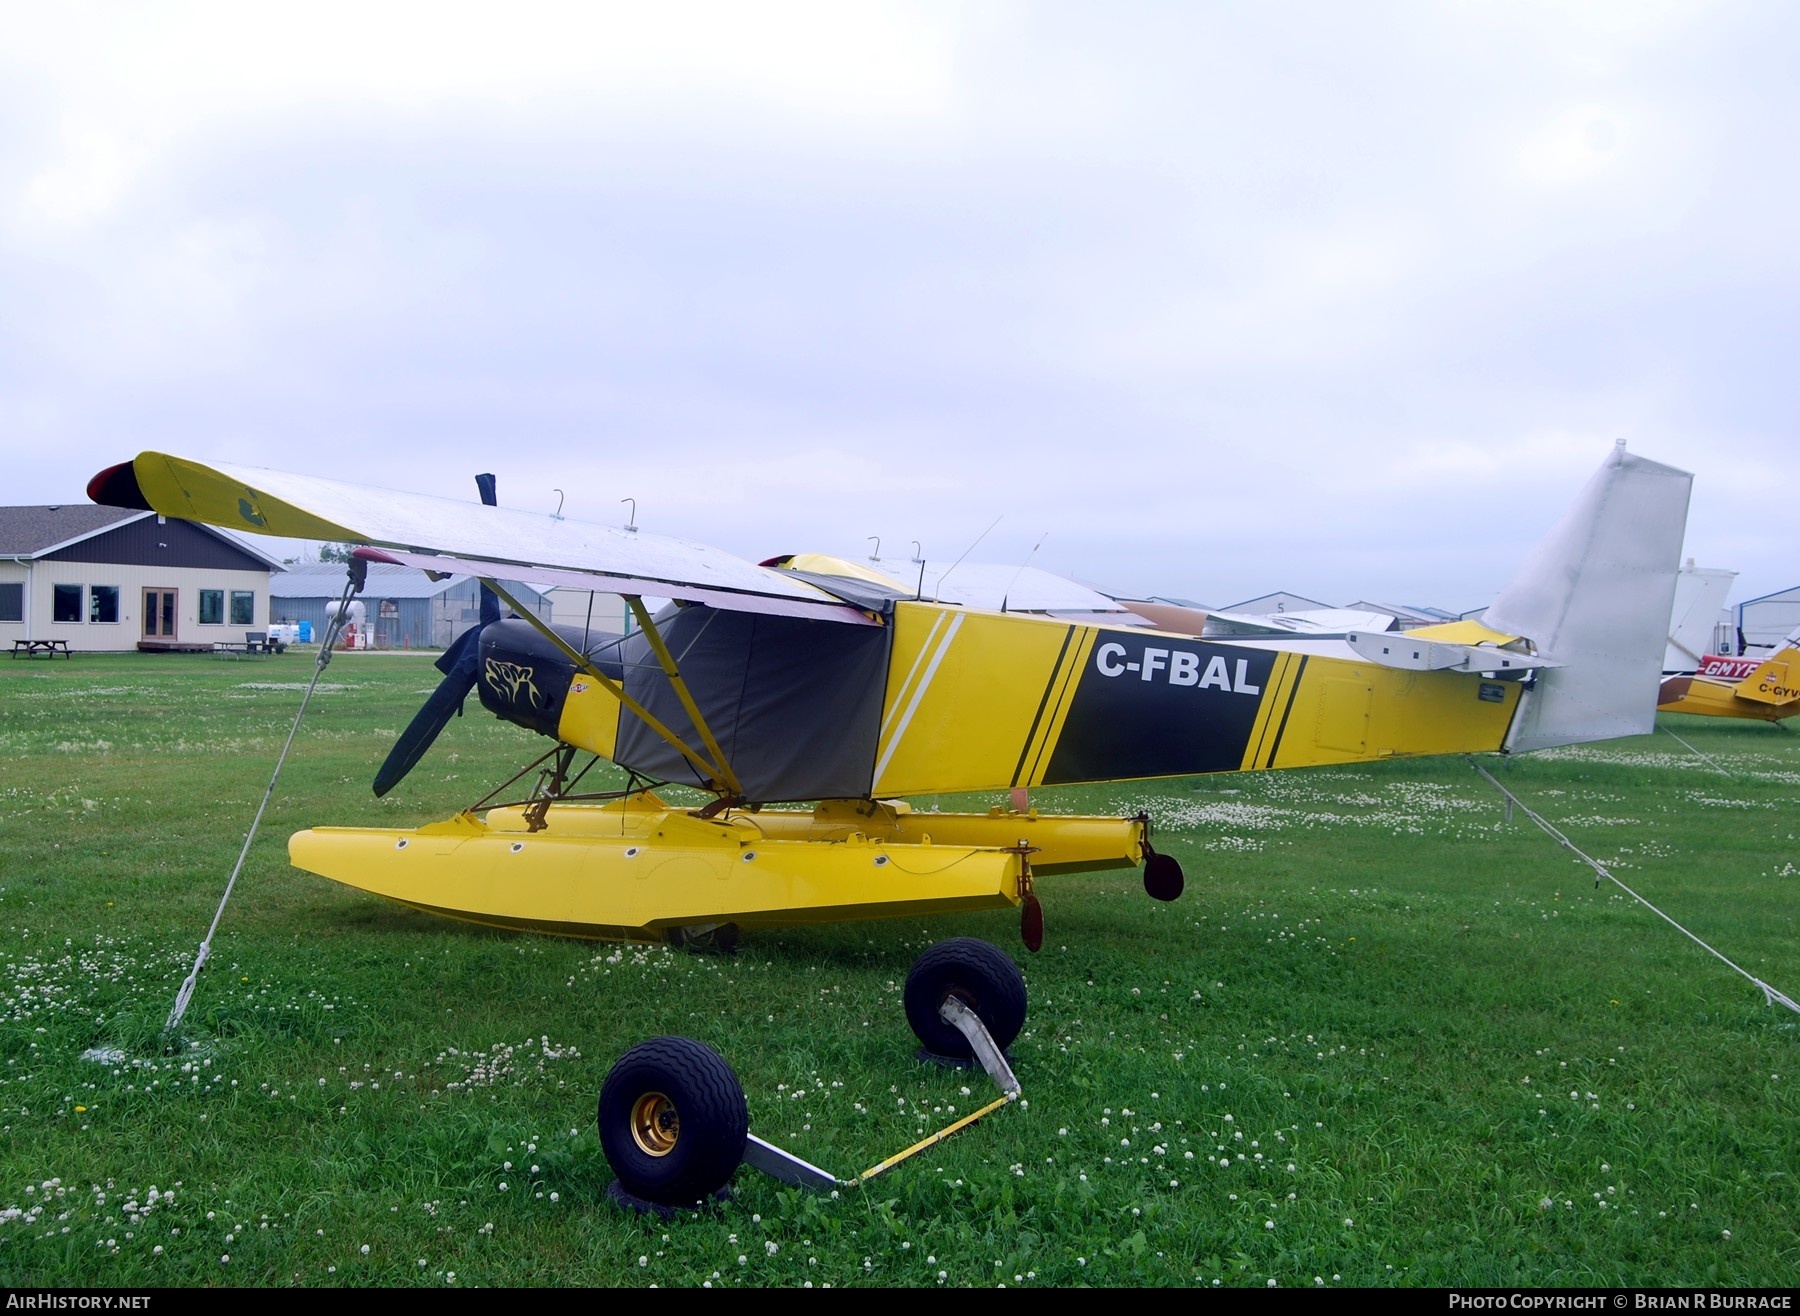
x,y
812,681
1767,689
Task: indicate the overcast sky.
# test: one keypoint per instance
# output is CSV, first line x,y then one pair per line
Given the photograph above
x,y
1197,299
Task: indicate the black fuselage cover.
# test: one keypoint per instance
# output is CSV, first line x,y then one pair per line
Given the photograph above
x,y
795,704
525,678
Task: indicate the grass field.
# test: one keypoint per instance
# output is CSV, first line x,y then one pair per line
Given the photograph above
x,y
1389,1037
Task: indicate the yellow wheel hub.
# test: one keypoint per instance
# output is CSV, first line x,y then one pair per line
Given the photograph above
x,y
655,1124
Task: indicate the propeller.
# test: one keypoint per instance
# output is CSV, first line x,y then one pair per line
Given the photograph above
x,y
461,666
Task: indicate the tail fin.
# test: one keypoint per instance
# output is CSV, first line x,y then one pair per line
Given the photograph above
x,y
1699,599
1777,680
1595,595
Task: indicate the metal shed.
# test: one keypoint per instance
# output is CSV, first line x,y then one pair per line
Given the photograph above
x,y
403,607
1763,622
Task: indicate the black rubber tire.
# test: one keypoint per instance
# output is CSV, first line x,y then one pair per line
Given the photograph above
x,y
673,1120
979,974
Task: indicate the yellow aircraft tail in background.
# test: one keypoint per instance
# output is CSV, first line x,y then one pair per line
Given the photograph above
x,y
1767,689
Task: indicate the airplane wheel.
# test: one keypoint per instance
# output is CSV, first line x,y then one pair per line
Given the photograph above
x,y
673,1120
704,938
978,974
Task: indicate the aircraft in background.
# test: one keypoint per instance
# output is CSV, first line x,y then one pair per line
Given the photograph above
x,y
1700,594
1764,689
813,681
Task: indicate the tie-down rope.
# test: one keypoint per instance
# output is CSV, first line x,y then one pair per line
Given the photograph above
x,y
352,585
1723,771
1770,994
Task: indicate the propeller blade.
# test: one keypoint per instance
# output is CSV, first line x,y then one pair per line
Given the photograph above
x,y
461,665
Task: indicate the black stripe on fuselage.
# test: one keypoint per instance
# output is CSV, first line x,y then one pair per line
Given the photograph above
x,y
1293,693
1146,704
1062,655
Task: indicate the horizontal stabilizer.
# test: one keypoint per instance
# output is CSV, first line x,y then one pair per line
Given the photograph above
x,y
1398,649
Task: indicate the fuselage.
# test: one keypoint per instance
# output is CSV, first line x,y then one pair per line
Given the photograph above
x,y
944,699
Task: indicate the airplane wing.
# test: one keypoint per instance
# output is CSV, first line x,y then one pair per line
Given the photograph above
x,y
1319,623
1000,587
990,586
445,535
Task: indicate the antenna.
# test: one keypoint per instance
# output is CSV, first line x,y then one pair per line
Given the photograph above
x,y
1021,571
970,549
875,553
631,525
557,514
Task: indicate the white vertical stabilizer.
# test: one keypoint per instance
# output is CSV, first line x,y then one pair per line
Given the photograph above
x,y
1700,594
1596,595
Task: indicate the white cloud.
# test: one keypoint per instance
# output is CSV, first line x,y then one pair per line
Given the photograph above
x,y
1224,298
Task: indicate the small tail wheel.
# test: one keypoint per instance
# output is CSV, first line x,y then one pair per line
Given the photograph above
x,y
673,1120
978,974
1163,879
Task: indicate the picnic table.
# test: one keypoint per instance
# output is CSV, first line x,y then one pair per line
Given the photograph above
x,y
254,644
32,648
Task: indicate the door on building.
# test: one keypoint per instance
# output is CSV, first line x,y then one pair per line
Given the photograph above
x,y
159,614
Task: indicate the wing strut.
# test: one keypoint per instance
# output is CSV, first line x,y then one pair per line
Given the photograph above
x,y
673,672
717,771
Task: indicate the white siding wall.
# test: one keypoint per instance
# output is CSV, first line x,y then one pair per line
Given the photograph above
x,y
91,637
570,608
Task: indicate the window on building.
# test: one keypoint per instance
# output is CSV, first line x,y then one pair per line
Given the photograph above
x,y
212,607
12,602
103,603
65,603
243,607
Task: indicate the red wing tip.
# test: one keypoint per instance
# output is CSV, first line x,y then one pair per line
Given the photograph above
x,y
117,486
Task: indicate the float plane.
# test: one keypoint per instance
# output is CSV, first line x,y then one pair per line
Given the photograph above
x,y
839,692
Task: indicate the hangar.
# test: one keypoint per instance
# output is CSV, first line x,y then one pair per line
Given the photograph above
x,y
403,608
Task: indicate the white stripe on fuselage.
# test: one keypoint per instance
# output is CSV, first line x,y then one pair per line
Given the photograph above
x,y
912,704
